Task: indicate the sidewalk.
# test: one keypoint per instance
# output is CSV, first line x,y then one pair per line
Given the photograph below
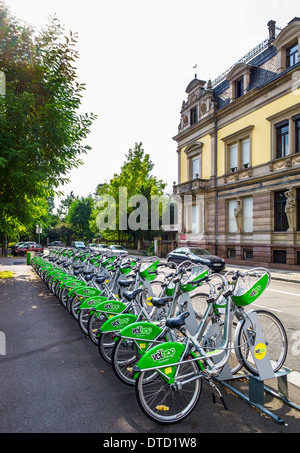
x,y
17,265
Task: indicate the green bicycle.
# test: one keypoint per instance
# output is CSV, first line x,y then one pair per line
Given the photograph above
x,y
177,368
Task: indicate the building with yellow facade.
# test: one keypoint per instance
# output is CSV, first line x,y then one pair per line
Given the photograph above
x,y
239,157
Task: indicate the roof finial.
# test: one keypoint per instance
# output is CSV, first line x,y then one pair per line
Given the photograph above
x,y
195,67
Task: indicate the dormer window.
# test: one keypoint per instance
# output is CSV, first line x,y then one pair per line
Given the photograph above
x,y
239,80
287,44
239,88
292,55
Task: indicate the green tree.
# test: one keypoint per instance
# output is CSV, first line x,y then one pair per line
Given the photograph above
x,y
42,131
65,205
135,178
79,218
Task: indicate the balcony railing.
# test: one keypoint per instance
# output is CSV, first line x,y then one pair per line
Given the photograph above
x,y
190,186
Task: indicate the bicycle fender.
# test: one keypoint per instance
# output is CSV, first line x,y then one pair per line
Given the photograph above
x,y
141,331
87,291
91,302
70,282
118,322
110,306
164,355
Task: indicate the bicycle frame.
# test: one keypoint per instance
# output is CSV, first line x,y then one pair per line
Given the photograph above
x,y
160,358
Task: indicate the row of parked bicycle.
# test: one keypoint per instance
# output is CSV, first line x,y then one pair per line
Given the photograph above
x,y
162,327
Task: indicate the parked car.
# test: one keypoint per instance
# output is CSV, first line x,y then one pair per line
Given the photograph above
x,y
15,246
98,247
196,256
56,244
23,249
118,250
19,244
93,247
78,245
102,247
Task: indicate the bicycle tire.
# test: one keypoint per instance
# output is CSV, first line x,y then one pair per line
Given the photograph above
x,y
275,338
199,303
83,319
105,345
123,360
94,323
124,357
74,307
157,399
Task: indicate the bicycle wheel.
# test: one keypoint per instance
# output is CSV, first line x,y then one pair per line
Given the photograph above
x,y
161,402
275,340
105,345
95,321
63,296
83,319
199,303
74,305
124,357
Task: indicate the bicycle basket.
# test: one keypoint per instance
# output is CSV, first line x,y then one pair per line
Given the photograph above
x,y
246,296
170,289
146,269
127,266
197,274
106,263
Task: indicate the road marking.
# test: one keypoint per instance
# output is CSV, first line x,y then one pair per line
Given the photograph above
x,y
283,292
267,308
294,378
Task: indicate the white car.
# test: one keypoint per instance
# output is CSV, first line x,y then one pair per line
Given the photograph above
x,y
118,250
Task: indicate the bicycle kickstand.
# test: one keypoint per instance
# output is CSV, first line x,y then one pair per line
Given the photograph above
x,y
215,389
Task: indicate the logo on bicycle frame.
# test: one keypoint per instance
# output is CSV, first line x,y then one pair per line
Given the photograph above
x,y
163,354
141,330
255,291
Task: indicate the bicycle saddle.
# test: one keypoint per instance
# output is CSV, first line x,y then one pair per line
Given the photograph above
x,y
125,283
179,321
101,278
86,272
130,295
160,301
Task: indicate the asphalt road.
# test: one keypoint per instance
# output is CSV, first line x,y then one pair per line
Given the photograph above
x,y
283,299
53,379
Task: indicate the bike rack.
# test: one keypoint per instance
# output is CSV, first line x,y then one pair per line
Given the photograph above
x,y
256,384
257,388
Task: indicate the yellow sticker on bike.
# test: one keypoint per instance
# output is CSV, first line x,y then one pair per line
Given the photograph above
x,y
168,370
260,351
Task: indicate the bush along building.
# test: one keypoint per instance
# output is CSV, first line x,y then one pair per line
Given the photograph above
x,y
239,157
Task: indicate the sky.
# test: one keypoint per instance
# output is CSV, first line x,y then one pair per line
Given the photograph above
x,y
137,57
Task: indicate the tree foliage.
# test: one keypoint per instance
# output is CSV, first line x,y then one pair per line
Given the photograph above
x,y
135,178
79,216
42,132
